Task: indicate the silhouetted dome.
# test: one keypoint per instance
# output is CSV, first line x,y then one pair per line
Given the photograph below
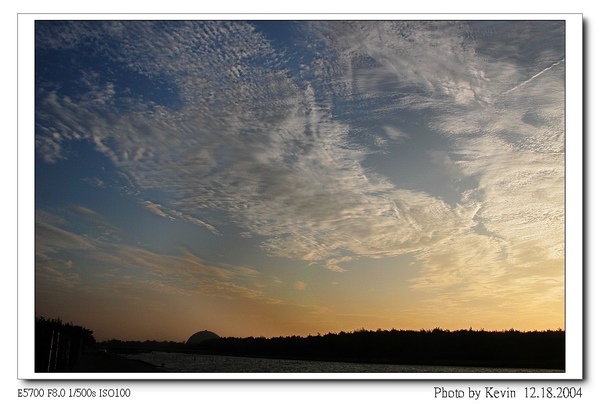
x,y
201,336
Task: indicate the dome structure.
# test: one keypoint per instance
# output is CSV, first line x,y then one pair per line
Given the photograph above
x,y
201,336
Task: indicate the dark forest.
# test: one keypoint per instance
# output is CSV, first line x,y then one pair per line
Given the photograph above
x,y
510,348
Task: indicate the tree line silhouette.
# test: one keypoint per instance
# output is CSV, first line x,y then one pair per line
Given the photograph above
x,y
509,348
59,345
435,347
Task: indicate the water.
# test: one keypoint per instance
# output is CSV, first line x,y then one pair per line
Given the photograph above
x,y
202,363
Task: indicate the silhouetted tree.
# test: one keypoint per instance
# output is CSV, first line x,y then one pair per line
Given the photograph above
x,y
438,346
58,345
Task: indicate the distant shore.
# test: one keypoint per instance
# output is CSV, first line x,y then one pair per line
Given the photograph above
x,y
464,348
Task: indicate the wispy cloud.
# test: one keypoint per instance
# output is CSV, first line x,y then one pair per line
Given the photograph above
x,y
510,144
92,261
282,154
171,214
299,285
272,159
534,76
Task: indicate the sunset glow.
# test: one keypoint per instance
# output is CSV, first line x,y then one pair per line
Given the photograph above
x,y
275,178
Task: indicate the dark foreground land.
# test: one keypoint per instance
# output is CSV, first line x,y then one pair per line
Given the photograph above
x,y
512,349
63,347
506,349
96,361
66,348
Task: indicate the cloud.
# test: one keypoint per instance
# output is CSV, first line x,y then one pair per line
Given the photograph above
x,y
398,59
85,212
510,144
106,265
50,238
282,154
534,76
394,133
161,211
53,273
300,285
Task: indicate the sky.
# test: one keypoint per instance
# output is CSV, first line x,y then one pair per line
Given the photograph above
x,y
275,178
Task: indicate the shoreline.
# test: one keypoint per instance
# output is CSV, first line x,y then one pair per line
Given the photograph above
x,y
110,362
213,363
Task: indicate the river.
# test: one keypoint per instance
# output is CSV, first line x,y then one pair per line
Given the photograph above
x,y
202,363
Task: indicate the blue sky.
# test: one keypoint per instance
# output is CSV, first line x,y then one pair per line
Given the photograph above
x,y
277,177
